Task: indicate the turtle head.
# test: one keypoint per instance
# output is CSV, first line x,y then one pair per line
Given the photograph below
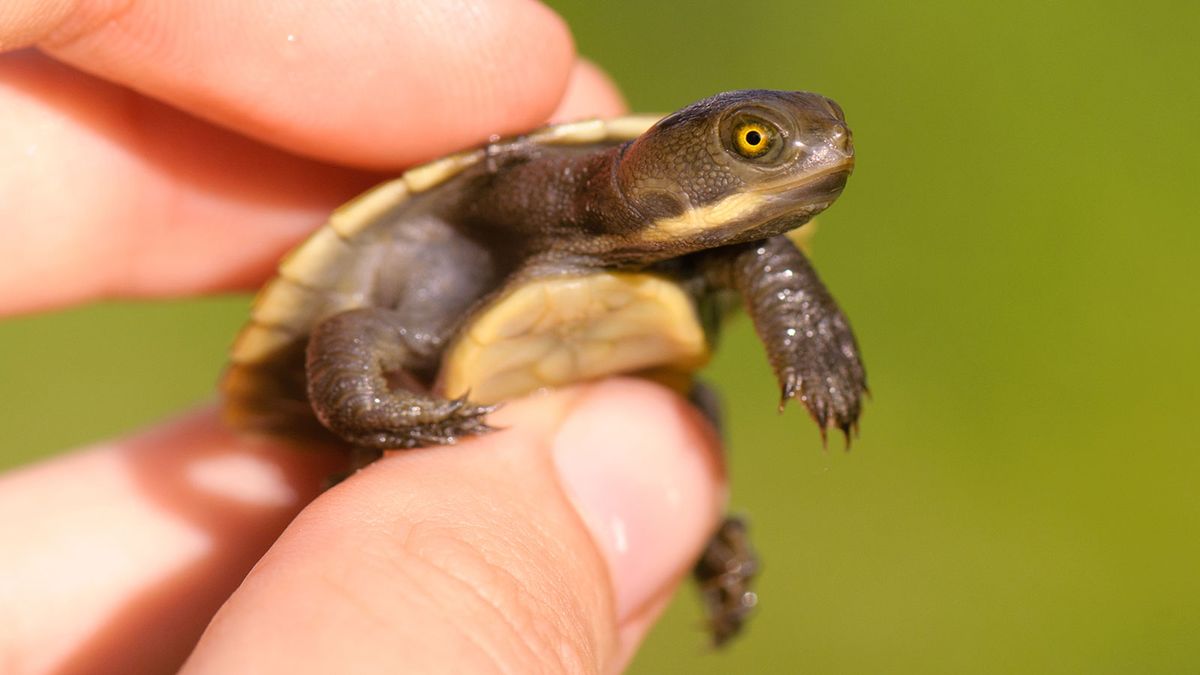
x,y
736,167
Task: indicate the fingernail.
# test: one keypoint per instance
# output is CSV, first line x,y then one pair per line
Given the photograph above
x,y
643,473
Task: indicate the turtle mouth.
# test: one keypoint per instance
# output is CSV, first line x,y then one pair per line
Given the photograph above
x,y
759,211
818,187
787,205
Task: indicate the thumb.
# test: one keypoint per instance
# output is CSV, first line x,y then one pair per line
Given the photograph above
x,y
549,546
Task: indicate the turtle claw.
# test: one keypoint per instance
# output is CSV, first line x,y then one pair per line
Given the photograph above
x,y
791,386
837,405
459,419
414,421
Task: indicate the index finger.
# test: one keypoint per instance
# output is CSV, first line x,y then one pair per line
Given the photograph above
x,y
306,76
185,207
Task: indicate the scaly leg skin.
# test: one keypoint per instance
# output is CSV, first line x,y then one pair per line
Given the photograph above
x,y
724,573
349,360
727,567
808,340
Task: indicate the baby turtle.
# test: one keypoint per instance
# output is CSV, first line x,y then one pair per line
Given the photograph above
x,y
573,252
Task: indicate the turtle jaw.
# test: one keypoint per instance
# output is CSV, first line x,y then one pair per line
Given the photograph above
x,y
788,205
816,188
820,191
766,210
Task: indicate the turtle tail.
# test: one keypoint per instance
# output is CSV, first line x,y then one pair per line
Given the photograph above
x,y
269,395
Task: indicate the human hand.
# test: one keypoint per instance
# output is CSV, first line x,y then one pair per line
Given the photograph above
x,y
166,153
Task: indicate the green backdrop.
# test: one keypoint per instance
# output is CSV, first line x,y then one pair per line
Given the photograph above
x,y
1019,257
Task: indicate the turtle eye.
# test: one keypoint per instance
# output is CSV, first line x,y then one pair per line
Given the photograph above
x,y
752,139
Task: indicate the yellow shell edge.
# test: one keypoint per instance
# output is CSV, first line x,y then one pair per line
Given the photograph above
x,y
354,216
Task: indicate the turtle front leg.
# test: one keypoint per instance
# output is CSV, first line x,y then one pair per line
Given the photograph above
x,y
808,340
351,357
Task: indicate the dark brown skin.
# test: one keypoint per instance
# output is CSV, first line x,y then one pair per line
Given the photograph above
x,y
724,573
538,210
422,419
808,339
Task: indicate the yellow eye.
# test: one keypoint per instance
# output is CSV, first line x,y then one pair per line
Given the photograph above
x,y
752,139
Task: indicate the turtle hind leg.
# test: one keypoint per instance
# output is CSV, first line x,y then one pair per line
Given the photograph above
x,y
728,566
351,358
724,574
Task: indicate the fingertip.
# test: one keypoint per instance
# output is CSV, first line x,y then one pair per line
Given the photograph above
x,y
373,84
498,68
643,469
590,93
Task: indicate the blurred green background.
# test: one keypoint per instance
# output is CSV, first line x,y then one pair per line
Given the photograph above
x,y
1019,259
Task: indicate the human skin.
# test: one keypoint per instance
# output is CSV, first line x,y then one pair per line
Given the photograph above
x,y
170,149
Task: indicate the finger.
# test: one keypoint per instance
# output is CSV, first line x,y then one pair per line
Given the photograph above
x,y
111,194
107,193
380,83
24,22
590,93
538,548
116,557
